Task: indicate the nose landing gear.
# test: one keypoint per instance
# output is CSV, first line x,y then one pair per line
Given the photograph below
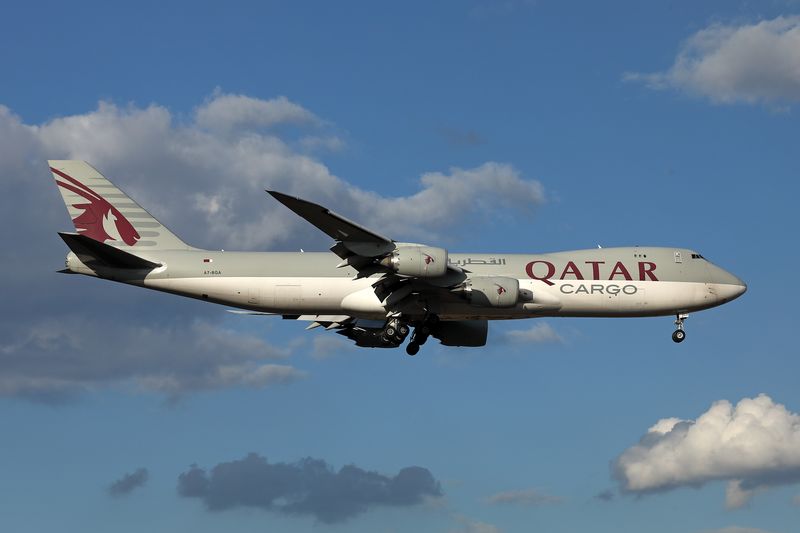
x,y
678,335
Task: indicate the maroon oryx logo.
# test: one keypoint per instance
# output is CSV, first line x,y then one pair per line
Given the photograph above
x,y
99,220
429,259
500,289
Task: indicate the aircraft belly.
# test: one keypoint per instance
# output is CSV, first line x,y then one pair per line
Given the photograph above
x,y
327,295
282,295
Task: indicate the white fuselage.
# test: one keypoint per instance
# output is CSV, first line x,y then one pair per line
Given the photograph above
x,y
608,282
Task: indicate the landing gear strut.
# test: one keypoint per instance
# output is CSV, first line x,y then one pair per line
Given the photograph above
x,y
421,334
678,335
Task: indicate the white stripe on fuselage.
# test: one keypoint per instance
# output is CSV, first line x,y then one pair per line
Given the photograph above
x,y
327,295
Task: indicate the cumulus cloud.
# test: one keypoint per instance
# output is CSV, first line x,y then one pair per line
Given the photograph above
x,y
307,487
751,63
203,176
527,498
330,143
486,189
128,482
236,111
209,186
539,332
753,445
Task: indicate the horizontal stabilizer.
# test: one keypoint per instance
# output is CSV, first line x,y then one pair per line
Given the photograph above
x,y
92,252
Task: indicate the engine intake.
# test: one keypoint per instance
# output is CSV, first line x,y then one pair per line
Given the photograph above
x,y
492,291
418,261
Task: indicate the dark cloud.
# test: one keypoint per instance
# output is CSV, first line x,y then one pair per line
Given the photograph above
x,y
605,496
306,487
462,137
128,482
52,360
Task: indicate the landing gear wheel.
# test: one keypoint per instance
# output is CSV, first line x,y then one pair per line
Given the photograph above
x,y
389,331
403,330
679,334
412,348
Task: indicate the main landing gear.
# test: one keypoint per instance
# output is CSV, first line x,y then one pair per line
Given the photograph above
x,y
678,335
394,332
421,334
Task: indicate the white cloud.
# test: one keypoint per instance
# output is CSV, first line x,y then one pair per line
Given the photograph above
x,y
327,344
447,199
750,63
331,143
526,498
539,332
226,112
737,497
207,185
753,445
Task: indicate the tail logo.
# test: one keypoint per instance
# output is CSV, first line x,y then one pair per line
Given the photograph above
x,y
99,220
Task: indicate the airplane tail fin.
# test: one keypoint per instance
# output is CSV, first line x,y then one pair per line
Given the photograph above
x,y
101,211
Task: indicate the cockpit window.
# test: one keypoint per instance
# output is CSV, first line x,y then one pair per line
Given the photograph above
x,y
697,256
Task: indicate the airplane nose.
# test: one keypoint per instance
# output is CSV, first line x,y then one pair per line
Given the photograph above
x,y
738,287
727,286
741,288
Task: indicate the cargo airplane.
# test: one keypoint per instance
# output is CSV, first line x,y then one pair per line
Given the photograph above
x,y
374,290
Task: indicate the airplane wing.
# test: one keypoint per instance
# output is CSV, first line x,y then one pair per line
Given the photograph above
x,y
370,253
357,245
335,226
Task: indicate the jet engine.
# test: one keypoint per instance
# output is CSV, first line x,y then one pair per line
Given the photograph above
x,y
417,261
491,291
462,332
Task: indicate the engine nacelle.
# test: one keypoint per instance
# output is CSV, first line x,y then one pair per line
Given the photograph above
x,y
417,261
462,332
492,291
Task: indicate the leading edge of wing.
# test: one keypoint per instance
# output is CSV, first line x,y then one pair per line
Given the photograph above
x,y
334,225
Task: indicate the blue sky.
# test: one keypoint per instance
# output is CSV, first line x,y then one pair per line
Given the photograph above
x,y
671,125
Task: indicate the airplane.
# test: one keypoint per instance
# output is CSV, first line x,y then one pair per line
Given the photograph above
x,y
372,289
